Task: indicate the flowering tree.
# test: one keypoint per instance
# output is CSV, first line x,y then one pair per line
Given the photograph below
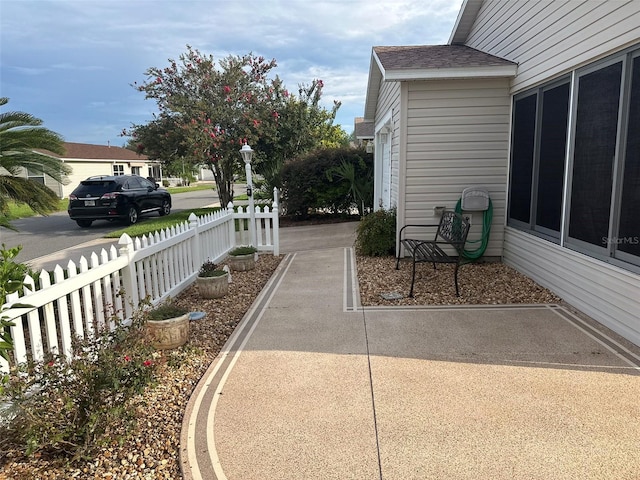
x,y
217,108
208,111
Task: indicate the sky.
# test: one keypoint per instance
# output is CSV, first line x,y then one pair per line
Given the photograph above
x,y
71,63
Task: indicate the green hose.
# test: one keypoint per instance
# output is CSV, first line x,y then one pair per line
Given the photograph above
x,y
487,218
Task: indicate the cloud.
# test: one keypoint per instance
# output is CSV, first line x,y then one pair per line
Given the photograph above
x,y
71,62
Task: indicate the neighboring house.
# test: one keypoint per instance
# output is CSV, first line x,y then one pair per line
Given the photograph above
x,y
363,133
88,160
539,102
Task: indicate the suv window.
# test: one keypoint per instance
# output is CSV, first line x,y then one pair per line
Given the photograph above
x,y
95,188
131,183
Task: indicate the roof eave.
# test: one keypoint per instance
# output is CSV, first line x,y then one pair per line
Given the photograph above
x,y
451,73
376,76
466,16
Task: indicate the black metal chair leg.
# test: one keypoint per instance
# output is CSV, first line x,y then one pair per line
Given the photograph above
x,y
413,277
456,279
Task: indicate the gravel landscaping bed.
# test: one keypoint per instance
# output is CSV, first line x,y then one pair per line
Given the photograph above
x,y
153,450
492,283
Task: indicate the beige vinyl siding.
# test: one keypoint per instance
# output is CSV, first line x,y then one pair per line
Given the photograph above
x,y
548,39
83,169
457,136
610,296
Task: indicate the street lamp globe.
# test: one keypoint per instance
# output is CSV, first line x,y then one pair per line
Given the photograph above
x,y
247,153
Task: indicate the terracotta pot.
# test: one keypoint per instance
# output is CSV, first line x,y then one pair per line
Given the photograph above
x,y
170,333
242,263
213,287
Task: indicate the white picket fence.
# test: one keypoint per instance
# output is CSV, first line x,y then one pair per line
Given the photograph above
x,y
109,285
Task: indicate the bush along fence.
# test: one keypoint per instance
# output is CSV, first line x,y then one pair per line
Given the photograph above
x,y
77,301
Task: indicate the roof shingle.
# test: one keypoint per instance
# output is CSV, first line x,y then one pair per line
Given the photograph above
x,y
435,56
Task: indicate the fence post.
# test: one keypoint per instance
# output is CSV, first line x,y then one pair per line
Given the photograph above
x,y
275,222
197,250
129,278
232,225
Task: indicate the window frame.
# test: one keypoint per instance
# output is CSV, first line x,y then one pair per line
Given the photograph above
x,y
532,226
609,251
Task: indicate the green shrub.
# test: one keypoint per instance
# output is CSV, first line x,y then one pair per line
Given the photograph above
x,y
243,250
210,269
328,180
376,234
68,409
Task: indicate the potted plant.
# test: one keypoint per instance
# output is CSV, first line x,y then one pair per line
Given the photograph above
x,y
167,325
242,258
212,281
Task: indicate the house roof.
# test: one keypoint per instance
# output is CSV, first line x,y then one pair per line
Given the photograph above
x,y
362,129
430,62
466,16
87,151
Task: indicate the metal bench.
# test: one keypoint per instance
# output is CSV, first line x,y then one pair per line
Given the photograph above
x,y
452,231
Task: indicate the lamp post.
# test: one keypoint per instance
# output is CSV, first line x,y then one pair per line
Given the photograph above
x,y
247,153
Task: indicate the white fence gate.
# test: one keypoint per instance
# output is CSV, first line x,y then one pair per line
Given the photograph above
x,y
75,301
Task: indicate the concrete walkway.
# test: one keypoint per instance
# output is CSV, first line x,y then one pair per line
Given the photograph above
x,y
312,386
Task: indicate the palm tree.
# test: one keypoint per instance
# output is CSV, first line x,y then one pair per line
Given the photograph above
x,y
20,135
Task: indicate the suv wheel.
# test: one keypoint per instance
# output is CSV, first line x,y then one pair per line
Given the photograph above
x,y
132,216
165,209
84,223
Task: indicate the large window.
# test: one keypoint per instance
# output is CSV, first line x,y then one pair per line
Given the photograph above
x,y
538,158
118,170
594,154
628,235
592,206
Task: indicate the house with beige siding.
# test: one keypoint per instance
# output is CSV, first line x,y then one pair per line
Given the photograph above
x,y
539,103
87,160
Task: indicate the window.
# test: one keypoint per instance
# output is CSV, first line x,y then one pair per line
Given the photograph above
x,y
594,152
538,158
135,170
35,176
628,239
598,212
118,170
524,131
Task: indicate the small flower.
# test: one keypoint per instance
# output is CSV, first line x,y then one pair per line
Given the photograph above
x,y
256,123
147,363
127,358
275,115
50,364
158,80
227,89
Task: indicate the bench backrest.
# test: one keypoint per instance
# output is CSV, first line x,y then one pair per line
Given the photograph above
x,y
453,229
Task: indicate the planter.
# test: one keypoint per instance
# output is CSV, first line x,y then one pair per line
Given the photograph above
x,y
169,333
242,263
213,287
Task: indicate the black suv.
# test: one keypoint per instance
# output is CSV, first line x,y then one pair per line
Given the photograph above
x,y
122,197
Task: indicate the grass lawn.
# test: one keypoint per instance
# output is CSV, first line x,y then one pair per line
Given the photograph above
x,y
151,224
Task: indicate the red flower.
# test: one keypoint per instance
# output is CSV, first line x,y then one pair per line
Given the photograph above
x,y
256,123
275,115
127,358
147,363
227,89
158,80
50,364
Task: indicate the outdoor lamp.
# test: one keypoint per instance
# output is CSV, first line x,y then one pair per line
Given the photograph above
x,y
247,153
